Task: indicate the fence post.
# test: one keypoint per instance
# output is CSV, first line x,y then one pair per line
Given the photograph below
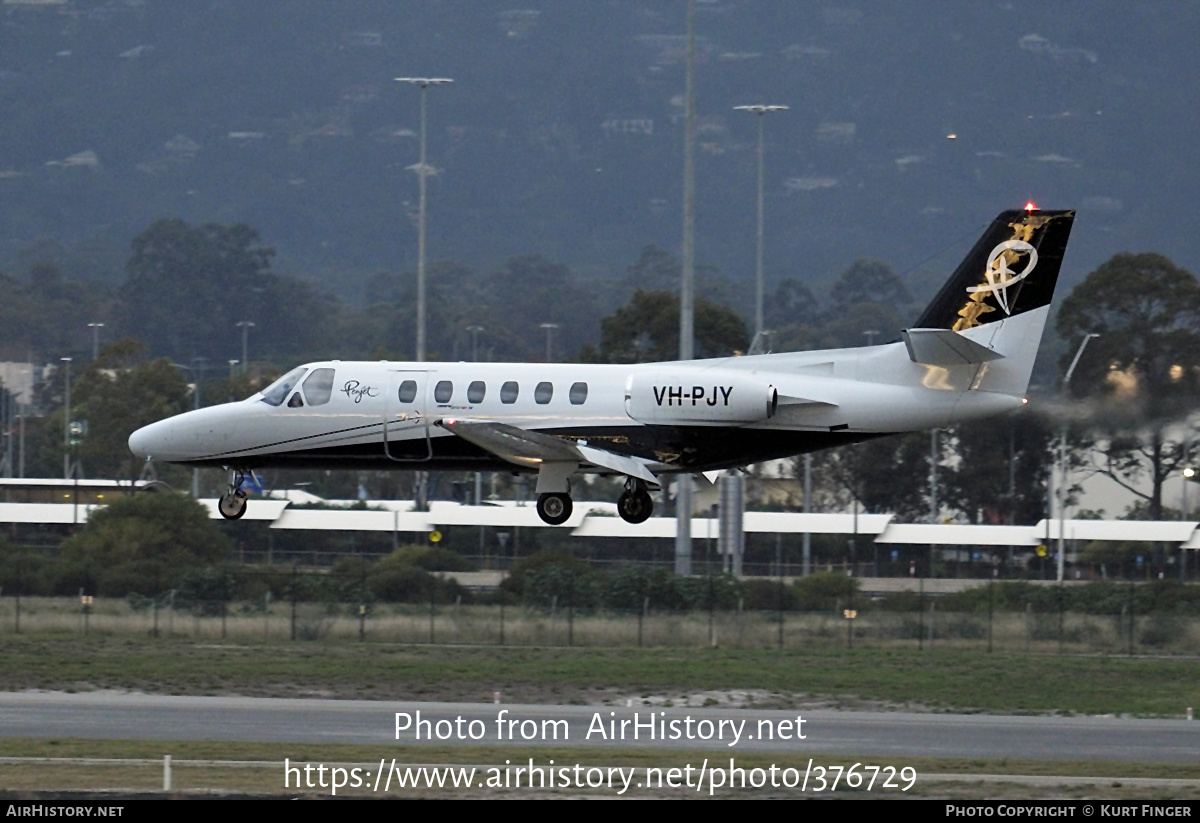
x,y
780,612
711,636
294,593
1061,607
362,607
932,621
432,599
1131,616
920,614
991,608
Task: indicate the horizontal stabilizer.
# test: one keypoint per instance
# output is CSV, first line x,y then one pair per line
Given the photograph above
x,y
942,347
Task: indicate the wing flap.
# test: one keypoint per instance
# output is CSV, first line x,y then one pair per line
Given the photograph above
x,y
533,449
525,448
632,466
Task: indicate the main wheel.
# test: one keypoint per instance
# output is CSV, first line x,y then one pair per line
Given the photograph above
x,y
554,507
635,507
232,505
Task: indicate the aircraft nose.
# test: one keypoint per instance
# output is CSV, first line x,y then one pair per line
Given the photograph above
x,y
146,441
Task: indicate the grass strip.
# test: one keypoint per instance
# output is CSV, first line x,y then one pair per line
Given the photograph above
x,y
944,680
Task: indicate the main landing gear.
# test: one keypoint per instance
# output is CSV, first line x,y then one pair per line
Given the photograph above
x,y
554,507
634,505
232,504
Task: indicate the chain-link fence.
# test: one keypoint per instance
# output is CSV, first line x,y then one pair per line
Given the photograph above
x,y
569,604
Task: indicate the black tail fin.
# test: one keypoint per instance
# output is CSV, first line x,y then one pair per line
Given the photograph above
x,y
1012,269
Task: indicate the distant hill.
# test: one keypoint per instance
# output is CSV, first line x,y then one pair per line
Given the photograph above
x,y
561,135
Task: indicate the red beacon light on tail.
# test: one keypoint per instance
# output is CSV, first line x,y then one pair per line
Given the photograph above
x,y
1031,206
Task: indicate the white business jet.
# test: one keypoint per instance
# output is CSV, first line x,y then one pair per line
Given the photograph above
x,y
968,356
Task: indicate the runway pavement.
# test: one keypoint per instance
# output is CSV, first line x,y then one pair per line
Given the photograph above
x,y
104,715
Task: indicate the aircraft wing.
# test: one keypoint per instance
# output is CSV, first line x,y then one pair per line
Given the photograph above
x,y
533,449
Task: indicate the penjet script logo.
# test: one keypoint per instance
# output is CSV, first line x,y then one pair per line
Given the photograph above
x,y
1000,276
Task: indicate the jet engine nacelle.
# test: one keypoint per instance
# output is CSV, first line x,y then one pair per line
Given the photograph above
x,y
717,397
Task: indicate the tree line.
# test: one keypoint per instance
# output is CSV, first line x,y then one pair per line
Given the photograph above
x,y
175,322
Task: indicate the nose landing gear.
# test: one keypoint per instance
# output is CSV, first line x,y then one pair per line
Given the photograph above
x,y
232,504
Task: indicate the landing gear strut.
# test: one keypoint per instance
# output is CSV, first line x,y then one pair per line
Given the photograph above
x,y
554,507
232,504
635,505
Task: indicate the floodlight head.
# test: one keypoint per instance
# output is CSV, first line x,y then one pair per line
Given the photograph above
x,y
424,82
760,109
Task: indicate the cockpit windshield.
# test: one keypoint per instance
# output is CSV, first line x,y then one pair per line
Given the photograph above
x,y
277,392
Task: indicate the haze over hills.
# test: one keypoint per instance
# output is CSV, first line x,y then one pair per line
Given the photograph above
x,y
562,132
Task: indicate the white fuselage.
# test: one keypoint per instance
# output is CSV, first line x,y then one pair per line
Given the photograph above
x,y
682,416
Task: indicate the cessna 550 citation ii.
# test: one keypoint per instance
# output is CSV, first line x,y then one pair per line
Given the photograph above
x,y
968,356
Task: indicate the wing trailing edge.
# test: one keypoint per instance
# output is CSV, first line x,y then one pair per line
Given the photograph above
x,y
532,449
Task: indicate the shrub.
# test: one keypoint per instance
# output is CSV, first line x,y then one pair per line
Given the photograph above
x,y
824,590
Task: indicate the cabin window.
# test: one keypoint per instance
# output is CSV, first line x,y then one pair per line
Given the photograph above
x,y
443,391
278,391
578,394
476,391
408,391
297,402
318,387
543,393
509,392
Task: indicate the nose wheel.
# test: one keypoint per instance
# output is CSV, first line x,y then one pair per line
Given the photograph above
x,y
635,504
232,504
554,507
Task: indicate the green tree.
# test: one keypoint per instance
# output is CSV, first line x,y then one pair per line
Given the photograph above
x,y
529,290
647,330
867,297
888,474
188,286
656,269
144,543
793,314
47,313
1143,369
1001,469
119,393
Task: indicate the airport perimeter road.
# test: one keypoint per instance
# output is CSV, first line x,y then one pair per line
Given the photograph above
x,y
154,717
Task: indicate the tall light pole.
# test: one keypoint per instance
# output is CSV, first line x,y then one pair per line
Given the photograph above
x,y
423,171
1062,458
683,488
95,327
245,326
759,111
549,327
474,330
67,421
